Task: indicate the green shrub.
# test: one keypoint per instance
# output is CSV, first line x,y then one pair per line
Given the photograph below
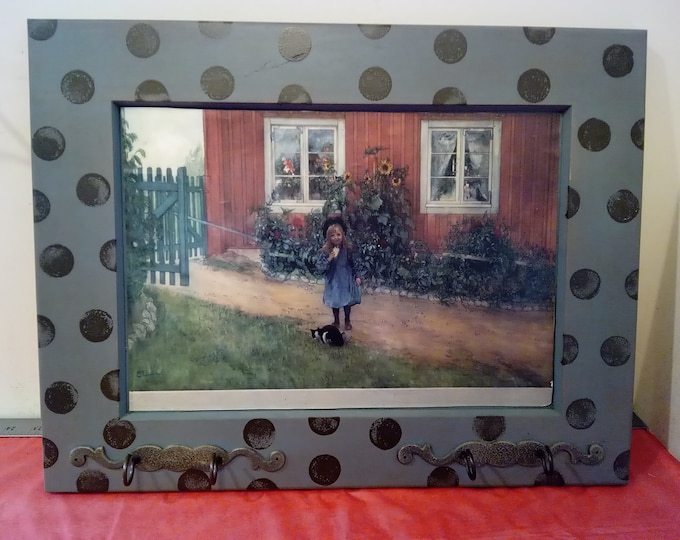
x,y
139,221
480,260
537,276
288,243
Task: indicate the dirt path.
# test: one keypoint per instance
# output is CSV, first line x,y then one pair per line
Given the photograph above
x,y
420,329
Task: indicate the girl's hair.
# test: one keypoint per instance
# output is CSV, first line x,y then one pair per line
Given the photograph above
x,y
327,246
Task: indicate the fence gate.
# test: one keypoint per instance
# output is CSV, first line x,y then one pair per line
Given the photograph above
x,y
178,203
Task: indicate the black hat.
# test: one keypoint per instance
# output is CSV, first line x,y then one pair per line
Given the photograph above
x,y
333,220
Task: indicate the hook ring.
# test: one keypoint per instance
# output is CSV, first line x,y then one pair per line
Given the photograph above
x,y
546,457
129,468
214,469
469,464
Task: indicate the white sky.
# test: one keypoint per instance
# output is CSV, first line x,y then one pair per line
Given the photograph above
x,y
167,135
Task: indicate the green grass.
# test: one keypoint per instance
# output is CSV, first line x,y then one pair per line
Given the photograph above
x,y
198,345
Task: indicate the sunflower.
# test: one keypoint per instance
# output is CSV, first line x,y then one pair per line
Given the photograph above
x,y
348,177
396,181
385,166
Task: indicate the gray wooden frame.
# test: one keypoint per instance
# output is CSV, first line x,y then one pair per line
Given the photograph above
x,y
81,70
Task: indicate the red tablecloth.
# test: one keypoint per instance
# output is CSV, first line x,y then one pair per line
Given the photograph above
x,y
648,507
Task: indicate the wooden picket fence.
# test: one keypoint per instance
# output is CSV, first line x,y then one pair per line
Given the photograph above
x,y
178,203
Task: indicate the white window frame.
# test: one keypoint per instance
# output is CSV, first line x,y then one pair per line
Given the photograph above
x,y
460,206
306,205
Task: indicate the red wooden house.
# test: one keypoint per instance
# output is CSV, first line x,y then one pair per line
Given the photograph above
x,y
500,164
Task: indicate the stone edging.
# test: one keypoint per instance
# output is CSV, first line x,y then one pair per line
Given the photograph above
x,y
507,306
146,324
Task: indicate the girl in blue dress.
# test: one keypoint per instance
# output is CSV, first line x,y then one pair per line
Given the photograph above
x,y
336,261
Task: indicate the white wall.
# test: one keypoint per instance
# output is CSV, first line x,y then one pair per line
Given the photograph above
x,y
657,394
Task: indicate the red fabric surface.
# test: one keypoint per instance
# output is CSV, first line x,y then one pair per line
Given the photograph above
x,y
648,507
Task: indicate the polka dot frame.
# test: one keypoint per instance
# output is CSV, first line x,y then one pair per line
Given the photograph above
x,y
596,78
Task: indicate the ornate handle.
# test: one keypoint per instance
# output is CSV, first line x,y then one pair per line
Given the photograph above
x,y
177,458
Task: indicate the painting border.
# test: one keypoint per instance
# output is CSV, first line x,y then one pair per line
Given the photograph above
x,y
79,72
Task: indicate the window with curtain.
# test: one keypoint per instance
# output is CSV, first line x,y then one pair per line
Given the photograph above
x,y
460,166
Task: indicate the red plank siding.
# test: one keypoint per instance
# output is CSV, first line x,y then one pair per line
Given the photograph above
x,y
234,170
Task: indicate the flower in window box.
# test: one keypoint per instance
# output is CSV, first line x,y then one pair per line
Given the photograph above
x,y
288,167
347,177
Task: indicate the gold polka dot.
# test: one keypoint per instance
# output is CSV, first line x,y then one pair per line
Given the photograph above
x,y
142,40
449,96
215,30
374,31
450,46
295,44
217,82
375,83
151,91
294,93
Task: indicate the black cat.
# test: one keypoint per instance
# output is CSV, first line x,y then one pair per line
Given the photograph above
x,y
330,335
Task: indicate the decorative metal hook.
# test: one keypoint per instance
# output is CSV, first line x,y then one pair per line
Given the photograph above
x,y
214,469
546,457
469,463
129,468
179,458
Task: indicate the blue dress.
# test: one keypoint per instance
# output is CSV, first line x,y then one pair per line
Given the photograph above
x,y
341,288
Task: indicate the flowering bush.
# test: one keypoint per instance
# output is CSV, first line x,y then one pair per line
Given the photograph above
x,y
337,190
379,220
288,242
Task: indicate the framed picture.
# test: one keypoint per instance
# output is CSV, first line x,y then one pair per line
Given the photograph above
x,y
314,256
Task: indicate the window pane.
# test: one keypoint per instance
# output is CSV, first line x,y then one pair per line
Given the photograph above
x,y
321,148
321,140
319,187
287,188
476,189
443,189
477,165
477,152
443,153
443,166
286,155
